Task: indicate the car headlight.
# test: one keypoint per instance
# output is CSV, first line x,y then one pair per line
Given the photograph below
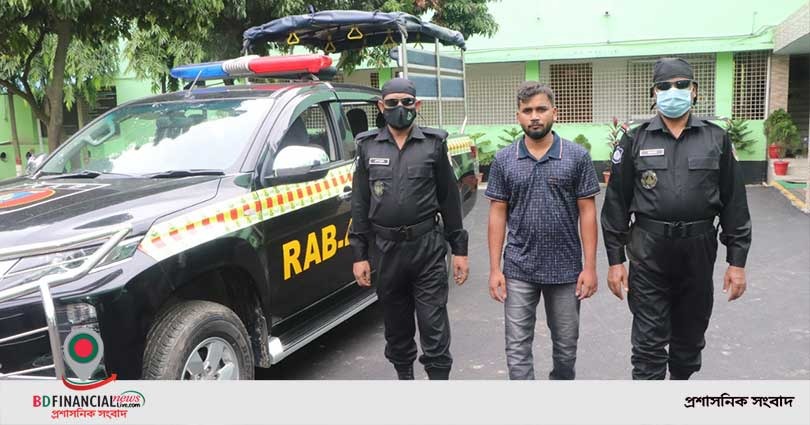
x,y
29,269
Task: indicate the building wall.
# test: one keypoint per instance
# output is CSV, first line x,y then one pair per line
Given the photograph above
x,y
571,29
778,84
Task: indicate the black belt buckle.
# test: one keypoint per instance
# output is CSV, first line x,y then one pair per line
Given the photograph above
x,y
676,229
404,232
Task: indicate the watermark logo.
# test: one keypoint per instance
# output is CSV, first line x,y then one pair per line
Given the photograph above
x,y
82,351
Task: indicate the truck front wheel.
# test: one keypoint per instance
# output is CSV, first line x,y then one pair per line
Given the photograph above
x,y
198,340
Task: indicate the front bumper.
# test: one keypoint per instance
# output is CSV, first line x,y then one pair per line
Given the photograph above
x,y
26,353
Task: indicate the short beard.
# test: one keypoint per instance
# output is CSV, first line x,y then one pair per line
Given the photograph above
x,y
538,134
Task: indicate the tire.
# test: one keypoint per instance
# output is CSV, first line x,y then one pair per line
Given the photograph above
x,y
186,338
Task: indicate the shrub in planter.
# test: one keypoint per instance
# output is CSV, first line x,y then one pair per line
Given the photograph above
x,y
583,141
780,130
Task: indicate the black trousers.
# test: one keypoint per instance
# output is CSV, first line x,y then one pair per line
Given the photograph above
x,y
412,278
670,296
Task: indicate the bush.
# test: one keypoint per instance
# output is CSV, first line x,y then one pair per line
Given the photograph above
x,y
614,135
488,148
779,129
583,141
738,132
511,135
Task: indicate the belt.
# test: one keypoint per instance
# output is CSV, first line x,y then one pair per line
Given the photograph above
x,y
675,229
405,233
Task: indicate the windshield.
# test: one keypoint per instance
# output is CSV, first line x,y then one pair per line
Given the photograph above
x,y
147,139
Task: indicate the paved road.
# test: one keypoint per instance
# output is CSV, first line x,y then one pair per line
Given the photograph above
x,y
764,335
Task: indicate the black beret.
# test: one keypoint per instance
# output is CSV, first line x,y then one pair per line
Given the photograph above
x,y
398,85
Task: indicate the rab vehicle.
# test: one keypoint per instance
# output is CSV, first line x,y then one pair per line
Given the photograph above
x,y
200,233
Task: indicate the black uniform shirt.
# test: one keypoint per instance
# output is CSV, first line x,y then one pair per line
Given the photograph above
x,y
692,178
393,187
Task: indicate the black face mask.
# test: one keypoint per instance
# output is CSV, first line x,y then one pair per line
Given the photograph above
x,y
399,117
537,134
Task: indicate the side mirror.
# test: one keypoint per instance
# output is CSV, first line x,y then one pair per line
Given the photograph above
x,y
293,164
34,162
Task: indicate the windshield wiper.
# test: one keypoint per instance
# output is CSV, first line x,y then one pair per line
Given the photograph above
x,y
184,173
83,174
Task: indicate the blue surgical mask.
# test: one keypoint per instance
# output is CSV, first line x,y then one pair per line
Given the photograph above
x,y
673,103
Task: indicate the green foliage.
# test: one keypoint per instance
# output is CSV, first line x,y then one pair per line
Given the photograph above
x,y
582,141
153,52
614,135
780,129
511,134
52,51
738,132
488,148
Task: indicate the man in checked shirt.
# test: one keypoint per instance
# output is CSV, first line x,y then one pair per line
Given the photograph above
x,y
541,187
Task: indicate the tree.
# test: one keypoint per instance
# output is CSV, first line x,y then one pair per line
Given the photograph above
x,y
39,39
153,52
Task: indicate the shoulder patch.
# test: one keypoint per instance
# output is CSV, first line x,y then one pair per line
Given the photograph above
x,y
367,134
435,132
709,123
617,155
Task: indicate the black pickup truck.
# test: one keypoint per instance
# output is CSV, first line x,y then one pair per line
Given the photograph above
x,y
201,233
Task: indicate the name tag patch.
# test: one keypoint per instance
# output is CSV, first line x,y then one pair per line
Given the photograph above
x,y
379,161
651,152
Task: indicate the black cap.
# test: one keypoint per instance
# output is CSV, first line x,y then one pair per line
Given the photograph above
x,y
398,85
666,68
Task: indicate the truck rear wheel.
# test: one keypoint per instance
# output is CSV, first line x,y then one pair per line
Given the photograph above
x,y
198,340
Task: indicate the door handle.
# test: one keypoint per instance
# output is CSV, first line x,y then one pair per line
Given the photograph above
x,y
347,193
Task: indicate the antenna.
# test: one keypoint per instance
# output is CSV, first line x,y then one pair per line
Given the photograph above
x,y
193,83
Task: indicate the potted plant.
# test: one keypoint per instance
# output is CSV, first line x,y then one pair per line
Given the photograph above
x,y
487,148
782,134
613,138
583,141
739,133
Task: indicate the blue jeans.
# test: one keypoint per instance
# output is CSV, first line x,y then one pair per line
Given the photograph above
x,y
520,312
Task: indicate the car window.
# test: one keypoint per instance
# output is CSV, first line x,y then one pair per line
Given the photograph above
x,y
152,138
310,129
361,116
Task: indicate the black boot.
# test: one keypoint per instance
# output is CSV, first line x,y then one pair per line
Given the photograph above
x,y
678,376
404,372
438,374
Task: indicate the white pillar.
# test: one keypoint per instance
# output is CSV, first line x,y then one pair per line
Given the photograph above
x,y
807,184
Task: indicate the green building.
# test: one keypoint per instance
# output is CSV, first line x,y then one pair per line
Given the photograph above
x,y
750,57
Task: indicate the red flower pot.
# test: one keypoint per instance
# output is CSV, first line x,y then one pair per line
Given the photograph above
x,y
780,167
774,151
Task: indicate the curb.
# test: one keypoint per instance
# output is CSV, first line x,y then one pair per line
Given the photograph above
x,y
798,203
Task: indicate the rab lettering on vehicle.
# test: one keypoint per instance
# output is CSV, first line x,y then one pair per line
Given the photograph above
x,y
316,251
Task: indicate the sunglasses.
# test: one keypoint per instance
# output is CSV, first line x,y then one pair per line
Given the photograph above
x,y
405,101
666,85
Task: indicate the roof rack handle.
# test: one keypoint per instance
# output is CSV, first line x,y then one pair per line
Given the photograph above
x,y
355,34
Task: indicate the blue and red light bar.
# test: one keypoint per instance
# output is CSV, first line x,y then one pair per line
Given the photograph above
x,y
253,66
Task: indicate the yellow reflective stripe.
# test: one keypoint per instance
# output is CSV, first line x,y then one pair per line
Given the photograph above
x,y
196,227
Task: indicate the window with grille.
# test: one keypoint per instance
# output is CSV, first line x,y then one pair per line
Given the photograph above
x,y
374,79
492,92
573,86
750,81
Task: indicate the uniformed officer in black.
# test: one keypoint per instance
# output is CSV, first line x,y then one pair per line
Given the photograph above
x,y
673,175
402,179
